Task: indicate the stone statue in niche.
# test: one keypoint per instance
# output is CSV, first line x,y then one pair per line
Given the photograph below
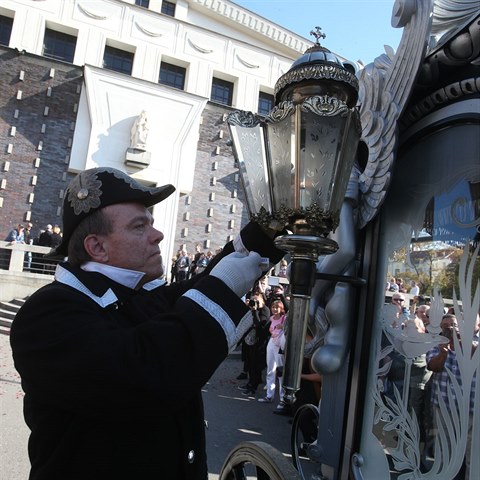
x,y
139,132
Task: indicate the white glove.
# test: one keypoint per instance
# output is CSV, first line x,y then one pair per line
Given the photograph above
x,y
238,272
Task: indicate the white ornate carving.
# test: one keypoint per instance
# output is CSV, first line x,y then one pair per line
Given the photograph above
x,y
139,132
198,48
147,31
91,14
448,15
385,86
247,64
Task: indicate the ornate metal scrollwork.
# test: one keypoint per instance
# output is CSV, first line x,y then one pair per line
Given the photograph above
x,y
316,72
280,112
242,118
325,105
314,216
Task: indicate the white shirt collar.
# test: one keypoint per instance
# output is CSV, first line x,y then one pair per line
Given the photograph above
x,y
127,278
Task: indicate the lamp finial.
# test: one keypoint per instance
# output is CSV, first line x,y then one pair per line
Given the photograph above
x,y
317,33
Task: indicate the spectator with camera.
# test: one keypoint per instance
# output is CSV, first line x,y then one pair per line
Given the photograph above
x,y
447,378
255,342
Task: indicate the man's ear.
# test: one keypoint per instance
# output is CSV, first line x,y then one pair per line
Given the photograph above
x,y
94,246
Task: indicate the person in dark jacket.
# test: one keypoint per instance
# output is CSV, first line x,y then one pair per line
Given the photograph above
x,y
45,237
103,350
255,342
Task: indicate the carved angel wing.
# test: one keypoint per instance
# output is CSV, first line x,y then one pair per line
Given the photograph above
x,y
385,86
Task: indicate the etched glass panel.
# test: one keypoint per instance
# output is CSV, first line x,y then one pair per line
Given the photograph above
x,y
421,418
318,154
281,137
250,148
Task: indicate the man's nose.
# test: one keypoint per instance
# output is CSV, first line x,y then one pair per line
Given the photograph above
x,y
157,235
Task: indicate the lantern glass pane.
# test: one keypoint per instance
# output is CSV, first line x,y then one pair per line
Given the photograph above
x,y
327,151
346,157
318,151
281,140
250,149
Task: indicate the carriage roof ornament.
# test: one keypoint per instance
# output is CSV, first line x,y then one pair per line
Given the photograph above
x,y
385,88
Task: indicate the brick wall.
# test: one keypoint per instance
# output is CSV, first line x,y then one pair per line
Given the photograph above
x,y
215,173
34,161
40,151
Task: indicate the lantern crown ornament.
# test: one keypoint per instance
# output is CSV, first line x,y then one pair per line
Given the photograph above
x,y
296,161
320,71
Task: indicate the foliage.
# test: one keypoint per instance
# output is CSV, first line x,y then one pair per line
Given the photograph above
x,y
444,280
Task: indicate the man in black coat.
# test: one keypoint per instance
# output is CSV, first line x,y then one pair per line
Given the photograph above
x,y
112,359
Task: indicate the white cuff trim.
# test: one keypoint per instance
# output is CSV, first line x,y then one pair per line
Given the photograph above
x,y
220,315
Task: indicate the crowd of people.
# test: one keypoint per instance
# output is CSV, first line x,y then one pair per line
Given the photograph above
x,y
434,375
263,349
50,236
185,265
398,285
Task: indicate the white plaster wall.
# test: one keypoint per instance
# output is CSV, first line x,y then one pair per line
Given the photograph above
x,y
204,38
109,105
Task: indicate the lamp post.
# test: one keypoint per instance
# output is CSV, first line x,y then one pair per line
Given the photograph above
x,y
294,165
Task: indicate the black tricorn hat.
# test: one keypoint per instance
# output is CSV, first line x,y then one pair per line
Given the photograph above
x,y
97,188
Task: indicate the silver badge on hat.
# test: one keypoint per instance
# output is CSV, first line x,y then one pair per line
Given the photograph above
x,y
84,192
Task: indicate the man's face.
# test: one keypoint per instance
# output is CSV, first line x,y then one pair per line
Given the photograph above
x,y
262,285
398,300
133,243
449,327
423,314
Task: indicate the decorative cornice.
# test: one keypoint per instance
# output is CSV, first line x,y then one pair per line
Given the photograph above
x,y
146,31
255,23
90,14
459,50
450,93
198,48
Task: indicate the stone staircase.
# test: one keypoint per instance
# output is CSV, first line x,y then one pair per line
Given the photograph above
x,y
8,310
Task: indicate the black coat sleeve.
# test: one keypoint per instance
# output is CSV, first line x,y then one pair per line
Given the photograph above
x,y
144,354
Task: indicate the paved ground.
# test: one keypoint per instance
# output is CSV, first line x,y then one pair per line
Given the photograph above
x,y
232,418
13,431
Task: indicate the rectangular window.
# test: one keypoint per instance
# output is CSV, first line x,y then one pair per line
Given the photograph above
x,y
5,30
265,103
142,3
118,60
172,75
59,46
222,91
168,8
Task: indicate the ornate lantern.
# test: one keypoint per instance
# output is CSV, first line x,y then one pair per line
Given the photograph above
x,y
295,164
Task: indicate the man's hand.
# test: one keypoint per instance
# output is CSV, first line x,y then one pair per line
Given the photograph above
x,y
238,271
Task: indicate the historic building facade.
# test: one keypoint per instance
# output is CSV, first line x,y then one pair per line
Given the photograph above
x,y
76,75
